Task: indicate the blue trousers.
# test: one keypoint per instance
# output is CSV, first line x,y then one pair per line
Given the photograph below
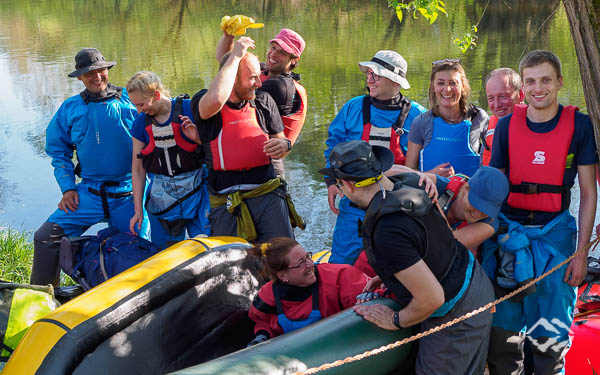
x,y
346,244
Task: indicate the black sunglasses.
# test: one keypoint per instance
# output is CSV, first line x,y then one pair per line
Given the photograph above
x,y
302,263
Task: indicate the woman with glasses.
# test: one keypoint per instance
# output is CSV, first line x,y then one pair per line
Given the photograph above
x,y
300,292
446,139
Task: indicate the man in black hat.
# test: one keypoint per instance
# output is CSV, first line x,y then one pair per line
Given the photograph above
x,y
411,248
96,124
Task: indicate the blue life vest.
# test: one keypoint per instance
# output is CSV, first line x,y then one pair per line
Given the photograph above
x,y
289,325
450,143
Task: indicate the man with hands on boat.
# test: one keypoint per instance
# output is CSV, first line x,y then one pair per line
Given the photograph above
x,y
241,130
96,125
412,249
383,118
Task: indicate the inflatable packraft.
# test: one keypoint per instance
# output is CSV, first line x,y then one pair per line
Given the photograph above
x,y
184,307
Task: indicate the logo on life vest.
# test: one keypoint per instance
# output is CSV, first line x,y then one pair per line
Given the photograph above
x,y
539,157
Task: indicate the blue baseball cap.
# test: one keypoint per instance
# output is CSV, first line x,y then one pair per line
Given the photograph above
x,y
488,189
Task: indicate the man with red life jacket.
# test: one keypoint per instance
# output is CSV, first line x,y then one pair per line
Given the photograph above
x,y
279,81
382,118
541,147
503,87
241,131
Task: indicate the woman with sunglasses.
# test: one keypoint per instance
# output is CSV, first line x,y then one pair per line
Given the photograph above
x,y
446,139
300,292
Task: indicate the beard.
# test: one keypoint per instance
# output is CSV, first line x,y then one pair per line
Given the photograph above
x,y
245,93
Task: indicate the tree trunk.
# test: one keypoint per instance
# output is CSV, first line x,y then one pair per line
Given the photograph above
x,y
584,18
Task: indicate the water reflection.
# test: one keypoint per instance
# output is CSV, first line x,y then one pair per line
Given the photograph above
x,y
177,40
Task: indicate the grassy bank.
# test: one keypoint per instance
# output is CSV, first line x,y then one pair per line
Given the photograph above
x,y
16,256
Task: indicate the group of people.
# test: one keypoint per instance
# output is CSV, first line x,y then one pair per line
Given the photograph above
x,y
446,209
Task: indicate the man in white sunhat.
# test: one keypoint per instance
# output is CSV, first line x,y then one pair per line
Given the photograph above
x,y
382,118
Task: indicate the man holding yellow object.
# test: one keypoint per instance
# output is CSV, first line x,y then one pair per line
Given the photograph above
x,y
277,75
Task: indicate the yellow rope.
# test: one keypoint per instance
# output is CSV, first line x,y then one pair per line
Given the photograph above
x,y
368,353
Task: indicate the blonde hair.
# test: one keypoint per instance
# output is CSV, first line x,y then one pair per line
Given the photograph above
x,y
146,83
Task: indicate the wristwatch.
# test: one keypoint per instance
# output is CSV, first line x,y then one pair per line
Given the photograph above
x,y
289,144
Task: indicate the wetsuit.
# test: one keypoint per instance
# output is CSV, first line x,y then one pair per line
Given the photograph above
x,y
538,237
396,238
349,125
442,142
177,197
97,127
238,165
337,287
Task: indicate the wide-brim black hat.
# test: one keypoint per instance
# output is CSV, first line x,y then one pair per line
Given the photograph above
x,y
88,59
358,160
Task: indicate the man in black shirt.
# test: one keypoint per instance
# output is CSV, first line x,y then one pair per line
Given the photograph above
x,y
240,131
279,81
411,248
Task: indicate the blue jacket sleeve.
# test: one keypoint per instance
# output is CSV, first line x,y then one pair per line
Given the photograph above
x,y
60,148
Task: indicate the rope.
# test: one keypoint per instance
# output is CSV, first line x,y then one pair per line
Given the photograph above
x,y
368,353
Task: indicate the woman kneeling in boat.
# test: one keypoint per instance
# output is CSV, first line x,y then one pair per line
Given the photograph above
x,y
300,292
177,197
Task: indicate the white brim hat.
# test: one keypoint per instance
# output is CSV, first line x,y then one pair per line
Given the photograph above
x,y
388,64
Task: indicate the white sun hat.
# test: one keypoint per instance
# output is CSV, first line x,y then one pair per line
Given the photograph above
x,y
388,64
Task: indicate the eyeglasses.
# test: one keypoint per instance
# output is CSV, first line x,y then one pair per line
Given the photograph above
x,y
446,61
303,262
372,75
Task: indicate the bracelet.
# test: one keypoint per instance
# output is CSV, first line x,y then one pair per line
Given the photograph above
x,y
396,320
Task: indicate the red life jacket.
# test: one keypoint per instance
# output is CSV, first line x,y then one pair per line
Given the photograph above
x,y
386,137
293,123
487,141
239,145
537,161
168,153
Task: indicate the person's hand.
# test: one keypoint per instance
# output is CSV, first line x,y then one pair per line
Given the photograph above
x,y
380,315
429,187
372,284
444,170
275,147
241,46
366,296
576,270
189,129
332,192
137,218
69,201
257,340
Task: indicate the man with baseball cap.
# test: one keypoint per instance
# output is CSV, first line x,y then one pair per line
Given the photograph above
x,y
383,118
411,248
96,123
279,81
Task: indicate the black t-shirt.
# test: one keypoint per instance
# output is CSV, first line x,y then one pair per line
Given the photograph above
x,y
269,121
282,90
400,242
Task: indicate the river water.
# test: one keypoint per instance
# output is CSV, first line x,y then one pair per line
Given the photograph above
x,y
177,39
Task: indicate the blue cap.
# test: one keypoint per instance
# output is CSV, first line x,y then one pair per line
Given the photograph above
x,y
488,189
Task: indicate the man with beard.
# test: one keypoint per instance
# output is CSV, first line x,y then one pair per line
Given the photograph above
x,y
97,124
279,81
241,131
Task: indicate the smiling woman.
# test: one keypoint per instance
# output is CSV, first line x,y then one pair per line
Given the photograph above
x,y
300,292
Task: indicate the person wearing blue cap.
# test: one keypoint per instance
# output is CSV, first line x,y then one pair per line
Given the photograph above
x,y
411,248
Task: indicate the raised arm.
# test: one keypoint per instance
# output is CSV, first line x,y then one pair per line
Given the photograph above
x,y
221,86
225,45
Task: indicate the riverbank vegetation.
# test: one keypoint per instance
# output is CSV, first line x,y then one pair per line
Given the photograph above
x,y
16,256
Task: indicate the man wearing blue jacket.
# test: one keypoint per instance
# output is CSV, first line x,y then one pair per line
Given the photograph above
x,y
382,118
96,125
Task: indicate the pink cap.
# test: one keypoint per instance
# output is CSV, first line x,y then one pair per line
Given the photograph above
x,y
290,41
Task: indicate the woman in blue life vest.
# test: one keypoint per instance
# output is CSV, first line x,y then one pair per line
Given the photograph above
x,y
446,139
300,292
177,196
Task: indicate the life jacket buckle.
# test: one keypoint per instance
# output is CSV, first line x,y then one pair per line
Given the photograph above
x,y
531,188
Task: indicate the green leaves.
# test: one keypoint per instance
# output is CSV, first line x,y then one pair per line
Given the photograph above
x,y
429,9
468,40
